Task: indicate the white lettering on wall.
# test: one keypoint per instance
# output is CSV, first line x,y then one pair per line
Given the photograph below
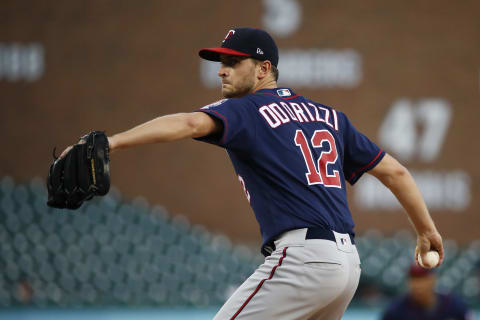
x,y
282,17
449,191
313,68
416,130
306,68
21,62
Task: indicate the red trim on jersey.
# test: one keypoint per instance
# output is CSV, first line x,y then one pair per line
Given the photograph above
x,y
261,283
225,130
271,94
368,165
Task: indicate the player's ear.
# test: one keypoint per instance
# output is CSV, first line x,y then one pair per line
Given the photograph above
x,y
264,69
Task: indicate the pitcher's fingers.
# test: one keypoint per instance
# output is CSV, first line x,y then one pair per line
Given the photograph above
x,y
438,246
417,252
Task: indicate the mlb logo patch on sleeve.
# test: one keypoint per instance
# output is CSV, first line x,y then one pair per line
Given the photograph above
x,y
284,92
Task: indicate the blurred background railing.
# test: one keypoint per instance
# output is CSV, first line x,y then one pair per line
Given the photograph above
x,y
406,73
114,253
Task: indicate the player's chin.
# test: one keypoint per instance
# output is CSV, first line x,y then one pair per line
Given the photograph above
x,y
228,92
231,92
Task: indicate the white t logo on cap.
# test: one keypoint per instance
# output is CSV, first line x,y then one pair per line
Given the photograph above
x,y
259,51
229,35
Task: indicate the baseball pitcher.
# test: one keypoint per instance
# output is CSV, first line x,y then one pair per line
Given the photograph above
x,y
293,157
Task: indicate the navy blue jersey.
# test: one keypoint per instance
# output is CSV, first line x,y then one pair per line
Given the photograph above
x,y
293,156
447,307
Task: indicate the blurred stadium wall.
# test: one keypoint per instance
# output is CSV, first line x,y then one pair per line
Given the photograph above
x,y
407,73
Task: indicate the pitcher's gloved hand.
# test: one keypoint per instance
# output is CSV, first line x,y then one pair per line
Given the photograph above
x,y
80,173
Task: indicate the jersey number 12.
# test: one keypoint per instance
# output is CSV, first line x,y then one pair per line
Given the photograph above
x,y
320,175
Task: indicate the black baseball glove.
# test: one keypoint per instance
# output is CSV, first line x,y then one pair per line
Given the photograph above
x,y
81,174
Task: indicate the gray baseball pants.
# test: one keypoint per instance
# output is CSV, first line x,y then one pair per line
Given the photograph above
x,y
312,279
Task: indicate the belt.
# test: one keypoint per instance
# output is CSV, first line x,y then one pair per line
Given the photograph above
x,y
312,233
320,233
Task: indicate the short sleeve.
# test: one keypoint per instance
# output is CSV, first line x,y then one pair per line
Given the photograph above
x,y
238,127
360,153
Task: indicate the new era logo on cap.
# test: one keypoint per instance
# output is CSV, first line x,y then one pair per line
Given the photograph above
x,y
247,42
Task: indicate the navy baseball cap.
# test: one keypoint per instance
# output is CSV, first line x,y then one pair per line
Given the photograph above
x,y
418,272
247,42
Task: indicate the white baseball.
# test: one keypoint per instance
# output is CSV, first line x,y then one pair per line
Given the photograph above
x,y
431,259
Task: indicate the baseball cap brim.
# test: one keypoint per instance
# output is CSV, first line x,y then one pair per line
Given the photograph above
x,y
417,271
213,54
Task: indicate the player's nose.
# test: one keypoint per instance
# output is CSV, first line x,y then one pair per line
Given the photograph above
x,y
222,71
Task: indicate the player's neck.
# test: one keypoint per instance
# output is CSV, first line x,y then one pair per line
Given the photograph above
x,y
265,84
428,302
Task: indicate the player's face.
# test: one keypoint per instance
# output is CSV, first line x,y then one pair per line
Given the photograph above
x,y
422,289
238,76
